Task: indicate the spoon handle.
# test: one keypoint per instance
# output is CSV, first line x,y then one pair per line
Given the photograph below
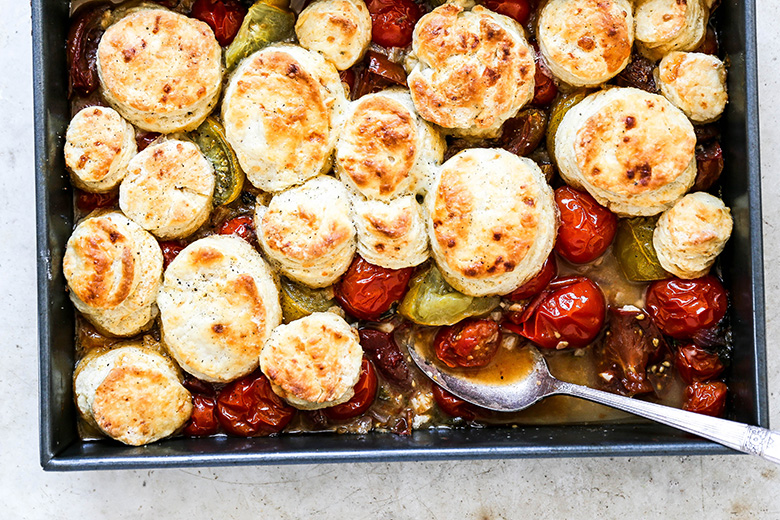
x,y
741,437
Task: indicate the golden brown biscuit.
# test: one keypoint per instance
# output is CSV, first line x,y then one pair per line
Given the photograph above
x,y
313,362
663,26
340,30
390,234
470,69
385,149
168,189
114,269
586,42
308,231
161,70
689,236
131,393
282,112
695,83
632,150
492,221
98,146
218,305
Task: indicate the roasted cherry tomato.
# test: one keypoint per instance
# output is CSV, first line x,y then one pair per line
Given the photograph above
x,y
87,201
348,77
587,228
170,250
203,420
198,386
520,10
365,392
387,357
248,407
366,290
536,284
545,88
568,314
223,16
709,165
377,73
706,398
81,48
144,139
393,21
696,364
680,308
470,343
455,406
242,226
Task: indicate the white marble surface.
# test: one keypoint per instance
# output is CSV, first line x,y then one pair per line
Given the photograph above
x,y
724,487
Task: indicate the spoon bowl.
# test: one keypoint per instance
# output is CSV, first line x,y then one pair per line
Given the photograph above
x,y
536,383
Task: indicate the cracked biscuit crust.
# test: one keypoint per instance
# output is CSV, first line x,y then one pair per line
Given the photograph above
x,y
470,69
492,221
161,70
633,151
218,305
586,42
313,362
168,189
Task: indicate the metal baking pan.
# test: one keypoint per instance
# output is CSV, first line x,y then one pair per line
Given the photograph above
x,y
742,263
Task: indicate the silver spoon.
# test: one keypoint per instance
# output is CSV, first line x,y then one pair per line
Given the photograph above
x,y
539,383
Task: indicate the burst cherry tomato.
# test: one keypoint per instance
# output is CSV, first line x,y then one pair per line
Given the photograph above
x,y
536,284
393,21
455,406
242,226
87,201
365,392
520,10
545,88
696,364
387,357
568,314
223,16
706,398
248,407
680,308
587,228
366,290
203,420
170,250
143,139
470,343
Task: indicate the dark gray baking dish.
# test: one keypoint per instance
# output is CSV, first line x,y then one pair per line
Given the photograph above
x,y
742,262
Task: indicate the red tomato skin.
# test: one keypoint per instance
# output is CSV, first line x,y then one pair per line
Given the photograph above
x,y
536,284
366,291
387,358
223,16
587,228
365,393
455,406
393,21
680,308
696,365
88,202
170,250
706,398
203,421
248,407
470,343
243,226
520,10
568,314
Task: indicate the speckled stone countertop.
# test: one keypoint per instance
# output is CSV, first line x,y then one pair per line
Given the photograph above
x,y
723,487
